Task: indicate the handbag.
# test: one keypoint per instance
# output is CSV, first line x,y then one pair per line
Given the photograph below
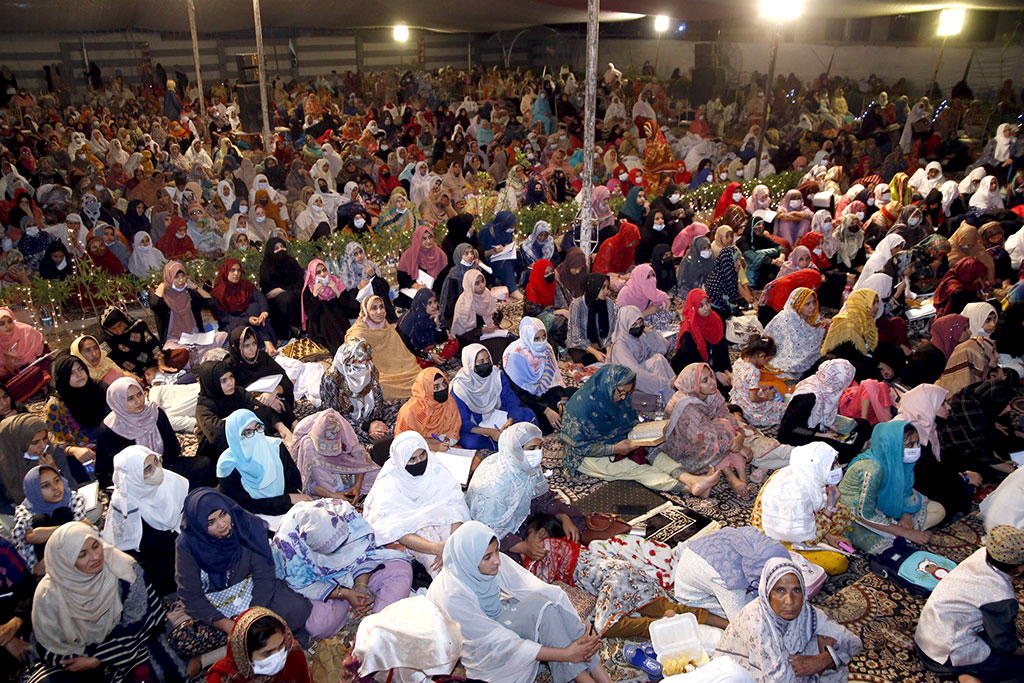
x,y
601,527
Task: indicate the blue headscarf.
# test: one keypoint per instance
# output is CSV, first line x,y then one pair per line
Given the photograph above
x,y
498,232
216,556
592,416
462,554
257,459
631,210
34,500
897,476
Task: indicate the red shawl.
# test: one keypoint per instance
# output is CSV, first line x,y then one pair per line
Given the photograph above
x,y
172,247
968,273
616,255
776,294
704,331
726,200
231,297
812,240
538,290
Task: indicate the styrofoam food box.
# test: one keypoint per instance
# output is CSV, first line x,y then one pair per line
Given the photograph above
x,y
676,636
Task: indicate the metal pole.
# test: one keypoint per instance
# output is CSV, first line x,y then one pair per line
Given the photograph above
x,y
589,117
767,93
657,53
935,75
199,76
261,63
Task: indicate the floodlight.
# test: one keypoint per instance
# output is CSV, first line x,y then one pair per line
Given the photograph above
x,y
951,21
660,23
781,10
401,33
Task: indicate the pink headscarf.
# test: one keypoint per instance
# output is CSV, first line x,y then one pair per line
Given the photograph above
x,y
182,319
327,293
469,305
682,241
918,407
140,428
415,258
642,289
790,266
599,204
874,392
28,339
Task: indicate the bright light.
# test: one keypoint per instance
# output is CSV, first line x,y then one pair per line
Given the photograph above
x,y
660,23
781,10
401,33
951,21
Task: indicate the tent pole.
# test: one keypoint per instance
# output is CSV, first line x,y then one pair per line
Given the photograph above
x,y
767,94
590,114
199,76
261,63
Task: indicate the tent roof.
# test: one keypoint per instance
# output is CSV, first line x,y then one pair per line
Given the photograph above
x,y
218,16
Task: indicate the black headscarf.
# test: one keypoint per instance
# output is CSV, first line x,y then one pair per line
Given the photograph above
x,y
133,222
248,371
48,269
416,324
1009,332
664,266
457,232
212,396
87,404
279,269
597,310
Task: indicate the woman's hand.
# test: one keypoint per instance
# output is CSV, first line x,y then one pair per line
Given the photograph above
x,y
80,663
487,329
583,649
378,430
81,453
599,355
810,665
17,648
363,283
624,447
9,630
224,625
906,521
973,478
834,540
571,532
553,417
271,401
916,537
160,288
317,288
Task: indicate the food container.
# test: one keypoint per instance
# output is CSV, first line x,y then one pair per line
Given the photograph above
x,y
676,641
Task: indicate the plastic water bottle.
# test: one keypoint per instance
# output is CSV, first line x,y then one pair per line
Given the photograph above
x,y
45,317
659,406
846,293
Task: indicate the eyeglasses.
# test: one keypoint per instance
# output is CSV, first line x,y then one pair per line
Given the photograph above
x,y
250,432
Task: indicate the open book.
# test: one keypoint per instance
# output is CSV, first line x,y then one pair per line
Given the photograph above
x,y
648,433
197,338
265,385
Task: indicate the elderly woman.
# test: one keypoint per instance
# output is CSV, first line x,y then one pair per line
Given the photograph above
x,y
976,359
798,333
397,367
352,387
330,459
781,637
329,555
416,502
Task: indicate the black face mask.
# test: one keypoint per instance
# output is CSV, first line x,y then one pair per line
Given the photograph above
x,y
637,331
418,469
484,369
441,395
550,277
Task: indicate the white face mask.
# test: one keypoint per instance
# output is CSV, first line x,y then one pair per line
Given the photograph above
x,y
29,456
913,221
796,204
99,188
359,222
243,209
739,173
176,288
885,198
659,226
817,252
871,201
317,208
271,665
860,215
834,477
32,230
736,196
534,457
156,478
723,176
623,177
911,455
261,219
826,226
323,280
243,246
63,264
401,211
706,253
675,198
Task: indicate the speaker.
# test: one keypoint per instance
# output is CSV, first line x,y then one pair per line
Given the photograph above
x,y
705,82
248,67
705,55
249,107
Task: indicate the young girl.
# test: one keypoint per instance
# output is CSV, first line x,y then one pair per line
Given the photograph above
x,y
762,404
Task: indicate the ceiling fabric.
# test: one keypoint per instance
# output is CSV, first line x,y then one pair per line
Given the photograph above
x,y
223,16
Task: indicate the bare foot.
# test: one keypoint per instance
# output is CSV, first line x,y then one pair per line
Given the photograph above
x,y
741,490
669,613
701,486
967,678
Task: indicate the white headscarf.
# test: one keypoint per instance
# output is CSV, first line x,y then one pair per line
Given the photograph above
x,y
504,484
145,259
827,385
482,395
1001,152
135,501
799,342
950,192
970,182
922,183
977,313
986,198
881,284
793,494
226,192
877,261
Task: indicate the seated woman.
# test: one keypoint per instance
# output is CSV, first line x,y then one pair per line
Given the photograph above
x,y
727,284
781,636
976,359
421,329
396,367
431,411
617,253
224,565
357,271
328,554
27,433
642,351
641,291
701,435
21,346
509,487
415,501
474,315
74,416
133,347
717,571
281,281
870,400
9,406
49,502
95,614
798,332
813,410
961,285
219,396
237,303
531,364
755,390
799,505
100,367
479,389
331,461
260,648
697,262
256,470
978,434
351,386
508,640
135,420
853,335
18,585
177,306
249,362
776,293
591,321
326,306
702,338
597,422
424,254
144,515
495,238
464,259
878,486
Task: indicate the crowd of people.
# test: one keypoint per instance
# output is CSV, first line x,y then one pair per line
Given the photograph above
x,y
276,447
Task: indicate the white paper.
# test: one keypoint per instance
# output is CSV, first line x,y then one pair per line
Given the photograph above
x,y
409,292
766,214
668,334
1017,458
425,279
496,420
89,494
506,254
197,338
457,463
486,268
264,385
497,334
364,292
925,310
874,530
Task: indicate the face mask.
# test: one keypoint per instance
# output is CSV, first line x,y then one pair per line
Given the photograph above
x,y
739,173
384,147
834,477
317,209
441,395
796,205
261,219
533,457
637,331
723,176
243,209
659,226
911,455
736,196
401,211
29,456
483,369
359,222
817,252
418,469
243,247
675,198
99,188
827,227
871,201
706,253
913,221
323,280
32,230
273,664
63,264
623,177
156,478
538,346
885,198
860,215
176,288
549,278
